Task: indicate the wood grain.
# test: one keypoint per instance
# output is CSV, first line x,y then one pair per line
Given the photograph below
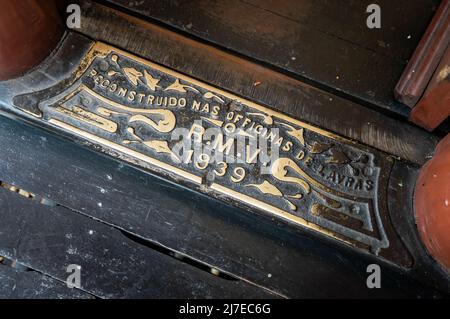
x,y
275,90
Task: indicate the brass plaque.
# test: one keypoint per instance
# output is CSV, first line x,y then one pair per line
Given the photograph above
x,y
227,147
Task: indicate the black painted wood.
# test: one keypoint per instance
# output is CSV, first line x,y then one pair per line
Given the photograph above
x,y
33,285
326,42
271,254
275,90
48,239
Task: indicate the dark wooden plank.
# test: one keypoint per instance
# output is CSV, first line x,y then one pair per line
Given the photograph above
x,y
49,239
269,253
275,90
33,285
326,42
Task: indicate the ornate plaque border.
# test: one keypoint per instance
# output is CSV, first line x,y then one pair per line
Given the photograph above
x,y
320,181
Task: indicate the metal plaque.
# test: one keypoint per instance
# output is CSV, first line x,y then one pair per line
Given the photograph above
x,y
225,146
